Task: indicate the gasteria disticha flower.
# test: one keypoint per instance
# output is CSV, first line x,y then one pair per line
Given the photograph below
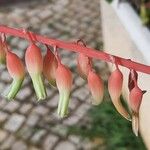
x,y
115,83
64,83
34,63
96,87
17,72
135,99
49,67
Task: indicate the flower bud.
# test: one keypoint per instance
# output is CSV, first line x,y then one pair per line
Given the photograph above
x,y
34,63
96,87
135,99
115,83
83,63
17,72
49,67
64,83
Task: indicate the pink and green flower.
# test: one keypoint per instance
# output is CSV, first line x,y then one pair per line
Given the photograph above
x,y
64,83
17,72
34,63
49,67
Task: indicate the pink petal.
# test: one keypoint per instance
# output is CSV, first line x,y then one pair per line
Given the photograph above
x,y
96,87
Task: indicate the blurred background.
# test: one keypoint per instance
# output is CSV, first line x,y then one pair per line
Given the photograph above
x,y
25,123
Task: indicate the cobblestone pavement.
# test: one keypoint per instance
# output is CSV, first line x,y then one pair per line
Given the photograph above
x,y
26,124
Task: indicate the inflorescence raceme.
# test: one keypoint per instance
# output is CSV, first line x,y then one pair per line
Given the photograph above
x,y
59,76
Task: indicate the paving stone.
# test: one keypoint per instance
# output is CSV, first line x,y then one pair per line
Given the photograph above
x,y
19,145
49,142
81,111
60,129
8,143
54,101
73,103
3,102
79,81
26,132
81,93
12,106
75,139
38,136
65,145
5,76
32,119
23,93
14,122
25,108
3,116
3,135
34,148
72,120
42,110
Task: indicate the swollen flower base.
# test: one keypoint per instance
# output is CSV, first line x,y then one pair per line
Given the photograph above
x,y
60,76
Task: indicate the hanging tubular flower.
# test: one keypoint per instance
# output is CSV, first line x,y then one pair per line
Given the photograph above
x,y
115,83
135,99
83,63
17,72
49,67
64,82
3,48
96,87
34,63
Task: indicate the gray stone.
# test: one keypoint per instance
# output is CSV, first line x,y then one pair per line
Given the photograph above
x,y
12,106
32,120
14,122
79,81
3,102
19,145
5,76
72,120
25,108
3,116
49,142
3,135
38,136
42,110
81,111
24,92
8,143
81,93
25,132
53,102
60,129
75,139
65,145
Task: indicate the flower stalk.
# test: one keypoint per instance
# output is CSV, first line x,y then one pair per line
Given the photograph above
x,y
78,48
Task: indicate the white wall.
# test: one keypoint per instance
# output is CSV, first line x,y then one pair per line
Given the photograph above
x,y
117,41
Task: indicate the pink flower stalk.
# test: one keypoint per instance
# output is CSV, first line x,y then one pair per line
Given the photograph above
x,y
2,51
135,99
115,83
34,63
83,63
17,72
64,83
49,67
96,87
